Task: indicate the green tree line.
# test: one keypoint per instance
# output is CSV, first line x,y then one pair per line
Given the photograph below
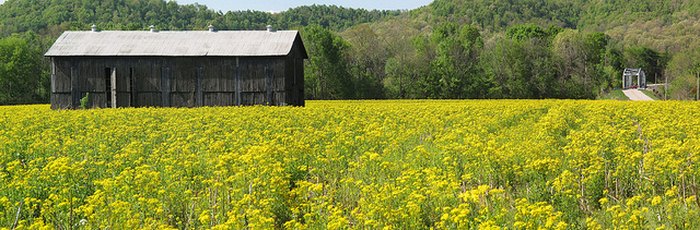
x,y
24,76
448,49
521,49
53,17
455,62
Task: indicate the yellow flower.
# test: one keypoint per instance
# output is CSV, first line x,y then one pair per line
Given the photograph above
x,y
353,165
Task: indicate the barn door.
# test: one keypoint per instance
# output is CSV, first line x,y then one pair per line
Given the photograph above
x,y
111,87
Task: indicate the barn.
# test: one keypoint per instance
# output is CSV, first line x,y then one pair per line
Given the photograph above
x,y
110,69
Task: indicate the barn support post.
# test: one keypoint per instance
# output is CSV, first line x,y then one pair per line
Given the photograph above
x,y
74,86
238,82
133,95
268,84
198,85
53,83
113,79
165,86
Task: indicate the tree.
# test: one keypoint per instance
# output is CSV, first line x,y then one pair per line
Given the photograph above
x,y
651,61
526,32
22,73
577,66
327,76
522,69
522,65
367,60
455,70
408,61
682,72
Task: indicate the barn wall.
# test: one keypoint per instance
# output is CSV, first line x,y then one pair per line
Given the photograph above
x,y
174,81
60,85
262,81
295,86
294,66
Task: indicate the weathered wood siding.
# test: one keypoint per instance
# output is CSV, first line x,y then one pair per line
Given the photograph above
x,y
295,69
178,81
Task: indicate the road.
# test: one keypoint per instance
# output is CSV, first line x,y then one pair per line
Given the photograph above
x,y
636,95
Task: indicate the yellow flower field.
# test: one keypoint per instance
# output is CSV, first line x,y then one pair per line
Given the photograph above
x,y
354,165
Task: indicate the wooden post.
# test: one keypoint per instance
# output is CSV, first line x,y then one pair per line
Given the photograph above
x,y
53,76
53,84
268,84
75,91
165,86
238,82
113,79
132,89
200,95
697,93
665,87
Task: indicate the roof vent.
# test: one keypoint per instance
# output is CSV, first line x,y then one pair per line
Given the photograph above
x,y
153,28
93,28
211,28
270,29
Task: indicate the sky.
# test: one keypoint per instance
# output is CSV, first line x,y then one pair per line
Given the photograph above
x,y
277,5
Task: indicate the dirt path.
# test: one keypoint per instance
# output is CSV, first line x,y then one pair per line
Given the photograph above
x,y
636,95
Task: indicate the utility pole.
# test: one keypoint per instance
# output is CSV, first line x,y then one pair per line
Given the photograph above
x,y
665,86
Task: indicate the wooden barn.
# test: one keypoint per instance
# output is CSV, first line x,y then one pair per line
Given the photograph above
x,y
177,68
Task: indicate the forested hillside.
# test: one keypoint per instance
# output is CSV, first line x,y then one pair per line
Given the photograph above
x,y
448,49
664,24
53,17
528,49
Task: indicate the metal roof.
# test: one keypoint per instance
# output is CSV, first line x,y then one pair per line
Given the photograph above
x,y
633,71
174,43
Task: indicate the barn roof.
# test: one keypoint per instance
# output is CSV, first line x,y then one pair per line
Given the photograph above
x,y
175,43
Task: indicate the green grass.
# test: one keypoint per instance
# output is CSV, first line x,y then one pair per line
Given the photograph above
x,y
650,94
616,94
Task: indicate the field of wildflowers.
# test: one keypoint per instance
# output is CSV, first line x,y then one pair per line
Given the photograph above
x,y
354,165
